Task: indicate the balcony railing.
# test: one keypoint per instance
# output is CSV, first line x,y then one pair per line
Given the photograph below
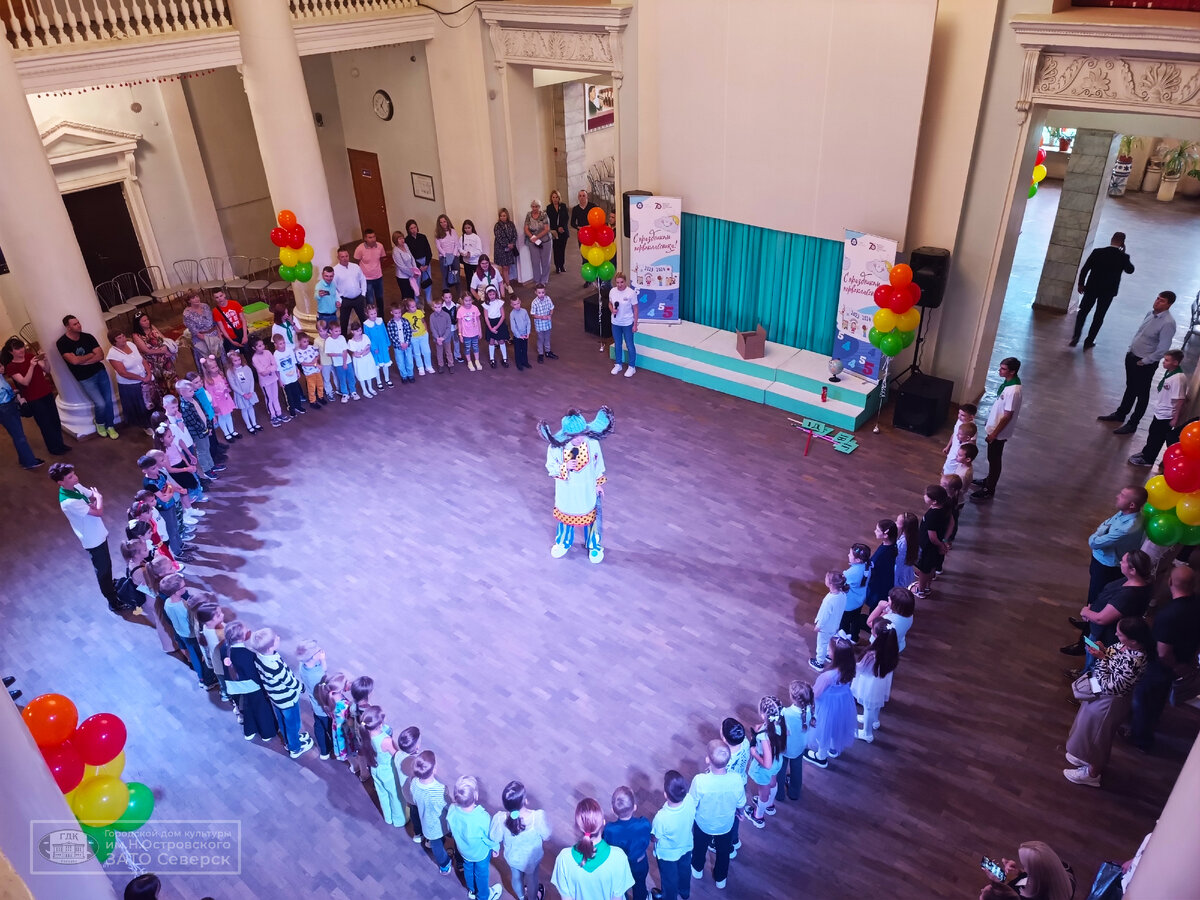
x,y
55,23
73,24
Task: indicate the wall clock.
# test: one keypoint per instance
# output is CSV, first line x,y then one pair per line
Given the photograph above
x,y
382,104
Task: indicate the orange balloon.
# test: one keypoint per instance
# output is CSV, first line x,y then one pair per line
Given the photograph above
x,y
1189,440
597,216
900,275
50,718
286,219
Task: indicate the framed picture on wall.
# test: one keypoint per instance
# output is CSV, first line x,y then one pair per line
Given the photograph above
x,y
422,186
598,101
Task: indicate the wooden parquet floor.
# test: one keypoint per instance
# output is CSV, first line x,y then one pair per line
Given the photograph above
x,y
410,534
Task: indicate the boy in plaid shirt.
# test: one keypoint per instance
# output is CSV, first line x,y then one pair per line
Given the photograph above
x,y
542,309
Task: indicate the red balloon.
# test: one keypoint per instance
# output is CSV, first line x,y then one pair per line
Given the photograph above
x,y
605,235
279,237
884,295
1041,156
1182,475
286,218
50,718
100,738
295,237
1174,453
65,765
587,235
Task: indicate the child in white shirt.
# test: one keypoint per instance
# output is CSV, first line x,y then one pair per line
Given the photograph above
x,y
289,375
829,617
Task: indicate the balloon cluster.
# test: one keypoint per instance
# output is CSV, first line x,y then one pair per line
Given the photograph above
x,y
1172,513
86,759
895,324
596,244
1039,171
295,256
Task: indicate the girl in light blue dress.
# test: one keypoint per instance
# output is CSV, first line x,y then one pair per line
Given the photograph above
x,y
377,750
906,549
836,718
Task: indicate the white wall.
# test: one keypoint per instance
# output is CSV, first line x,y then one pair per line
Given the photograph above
x,y
173,217
798,115
323,97
406,144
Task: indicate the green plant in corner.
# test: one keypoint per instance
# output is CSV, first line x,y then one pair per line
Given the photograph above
x,y
1181,158
1128,143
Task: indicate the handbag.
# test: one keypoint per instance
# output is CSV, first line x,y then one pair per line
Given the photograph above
x,y
1107,885
1081,687
450,269
128,595
171,345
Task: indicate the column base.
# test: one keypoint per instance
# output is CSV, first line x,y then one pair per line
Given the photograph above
x,y
78,419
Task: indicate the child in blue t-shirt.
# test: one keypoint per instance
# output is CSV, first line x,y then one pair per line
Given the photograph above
x,y
631,835
856,577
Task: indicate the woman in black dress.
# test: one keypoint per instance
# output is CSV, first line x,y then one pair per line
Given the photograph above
x,y
418,245
559,218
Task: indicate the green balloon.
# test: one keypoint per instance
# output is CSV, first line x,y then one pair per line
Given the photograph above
x,y
891,343
607,270
287,273
139,810
1165,529
1032,190
102,840
1149,511
303,271
589,272
1191,535
874,335
907,337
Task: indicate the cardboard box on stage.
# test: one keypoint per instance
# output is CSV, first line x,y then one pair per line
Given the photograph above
x,y
752,344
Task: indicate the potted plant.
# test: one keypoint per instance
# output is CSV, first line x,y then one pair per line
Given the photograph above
x,y
1056,134
1179,159
1124,164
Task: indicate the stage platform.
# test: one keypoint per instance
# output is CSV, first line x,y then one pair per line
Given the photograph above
x,y
785,377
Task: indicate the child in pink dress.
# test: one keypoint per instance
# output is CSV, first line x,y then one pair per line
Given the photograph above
x,y
268,378
221,397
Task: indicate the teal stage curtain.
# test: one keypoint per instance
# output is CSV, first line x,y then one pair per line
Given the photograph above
x,y
737,277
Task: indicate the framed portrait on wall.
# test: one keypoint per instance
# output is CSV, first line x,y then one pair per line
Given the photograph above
x,y
598,102
422,186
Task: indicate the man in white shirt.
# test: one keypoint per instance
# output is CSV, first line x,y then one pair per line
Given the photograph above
x,y
1001,423
1169,395
1151,340
84,509
351,286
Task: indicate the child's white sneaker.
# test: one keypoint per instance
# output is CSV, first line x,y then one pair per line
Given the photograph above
x,y
420,371
629,372
355,396
616,370
345,398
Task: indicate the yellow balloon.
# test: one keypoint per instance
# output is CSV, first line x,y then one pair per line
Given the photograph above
x,y
288,256
1039,172
1160,493
305,253
1188,509
113,768
885,320
611,250
595,255
907,320
99,802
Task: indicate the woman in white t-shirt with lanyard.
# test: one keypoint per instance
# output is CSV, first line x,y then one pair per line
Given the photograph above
x,y
486,275
622,303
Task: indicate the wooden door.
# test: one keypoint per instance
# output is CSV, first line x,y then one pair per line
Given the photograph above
x,y
104,231
368,194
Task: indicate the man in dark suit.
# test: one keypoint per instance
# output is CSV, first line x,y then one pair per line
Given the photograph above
x,y
1099,281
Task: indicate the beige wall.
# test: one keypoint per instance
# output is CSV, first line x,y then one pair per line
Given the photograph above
x,y
408,142
322,95
802,116
174,219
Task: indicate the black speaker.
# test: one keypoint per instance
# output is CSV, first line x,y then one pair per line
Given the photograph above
x,y
931,268
597,319
625,202
922,404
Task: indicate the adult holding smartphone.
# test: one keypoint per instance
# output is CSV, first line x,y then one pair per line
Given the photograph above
x,y
29,372
1036,872
1099,281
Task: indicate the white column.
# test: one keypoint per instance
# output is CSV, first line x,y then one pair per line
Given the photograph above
x,y
50,283
283,124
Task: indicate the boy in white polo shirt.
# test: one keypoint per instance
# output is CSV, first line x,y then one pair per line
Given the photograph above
x,y
718,794
1167,397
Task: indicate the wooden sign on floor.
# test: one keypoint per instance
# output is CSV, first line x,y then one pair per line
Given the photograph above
x,y
843,441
